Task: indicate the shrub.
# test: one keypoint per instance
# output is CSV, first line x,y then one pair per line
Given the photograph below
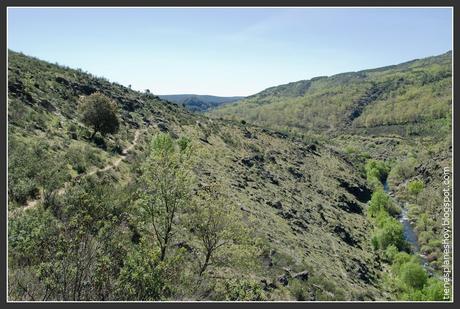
x,y
415,187
298,290
376,169
389,232
146,277
380,201
239,290
413,275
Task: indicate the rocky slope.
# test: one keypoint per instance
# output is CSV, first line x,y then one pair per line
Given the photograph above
x,y
307,199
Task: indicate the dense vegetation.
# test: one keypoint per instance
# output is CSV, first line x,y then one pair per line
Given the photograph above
x,y
173,205
413,92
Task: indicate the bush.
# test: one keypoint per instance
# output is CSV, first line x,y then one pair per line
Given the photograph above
x,y
376,169
391,252
380,201
22,189
75,157
145,277
402,170
413,275
298,290
239,290
389,232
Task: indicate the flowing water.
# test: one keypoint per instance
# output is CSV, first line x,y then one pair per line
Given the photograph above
x,y
408,229
409,233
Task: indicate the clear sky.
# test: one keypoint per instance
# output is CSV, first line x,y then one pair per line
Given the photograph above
x,y
227,51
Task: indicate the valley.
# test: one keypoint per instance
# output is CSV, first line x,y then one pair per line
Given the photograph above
x,y
306,179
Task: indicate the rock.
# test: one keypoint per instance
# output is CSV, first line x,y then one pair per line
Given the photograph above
x,y
283,279
48,105
62,80
162,127
345,235
311,147
286,215
302,276
267,286
362,193
360,270
183,244
249,162
295,173
248,134
85,89
277,204
349,205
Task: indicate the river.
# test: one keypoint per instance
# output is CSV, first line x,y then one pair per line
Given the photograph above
x,y
408,229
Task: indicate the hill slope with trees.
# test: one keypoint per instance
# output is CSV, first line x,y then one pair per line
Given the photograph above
x,y
390,98
196,208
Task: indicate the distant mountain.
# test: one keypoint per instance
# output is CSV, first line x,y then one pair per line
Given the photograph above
x,y
199,103
414,92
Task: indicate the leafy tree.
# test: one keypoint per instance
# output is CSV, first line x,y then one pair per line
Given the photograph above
x,y
166,188
99,112
389,232
218,228
380,201
415,187
377,169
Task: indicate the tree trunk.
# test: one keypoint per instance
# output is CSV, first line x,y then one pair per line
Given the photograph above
x,y
92,135
206,262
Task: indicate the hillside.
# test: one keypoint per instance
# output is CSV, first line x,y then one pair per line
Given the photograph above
x,y
416,93
199,103
395,122
303,202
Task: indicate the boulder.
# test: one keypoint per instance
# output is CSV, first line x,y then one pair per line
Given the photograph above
x,y
277,204
302,276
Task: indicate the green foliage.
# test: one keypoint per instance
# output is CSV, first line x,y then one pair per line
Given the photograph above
x,y
389,232
413,275
145,277
223,240
32,167
376,172
299,290
99,112
239,290
166,188
415,187
414,92
377,169
380,201
402,170
29,236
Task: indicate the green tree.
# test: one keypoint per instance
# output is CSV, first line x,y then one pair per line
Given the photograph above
x,y
413,275
376,169
389,232
99,112
166,188
380,201
415,187
218,228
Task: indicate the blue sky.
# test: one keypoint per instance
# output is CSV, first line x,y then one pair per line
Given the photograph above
x,y
231,51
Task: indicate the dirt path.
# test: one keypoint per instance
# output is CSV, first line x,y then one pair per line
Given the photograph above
x,y
114,163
